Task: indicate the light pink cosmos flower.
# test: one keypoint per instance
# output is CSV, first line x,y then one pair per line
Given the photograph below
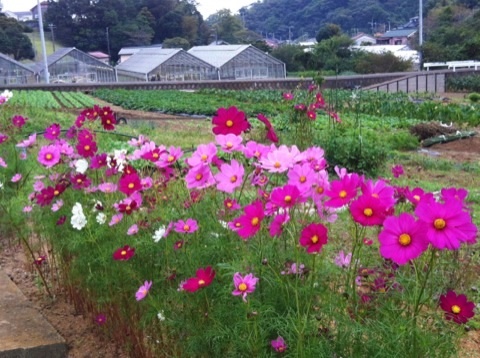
x,y
116,219
203,155
244,285
281,159
16,178
52,132
132,230
143,290
199,177
28,142
49,155
3,163
27,209
230,176
107,187
303,177
57,205
170,157
229,142
186,227
255,150
342,260
278,222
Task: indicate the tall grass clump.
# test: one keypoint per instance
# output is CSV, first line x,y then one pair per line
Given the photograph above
x,y
241,247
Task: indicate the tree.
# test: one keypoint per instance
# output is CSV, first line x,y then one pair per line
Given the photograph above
x,y
328,31
225,25
176,42
13,41
334,54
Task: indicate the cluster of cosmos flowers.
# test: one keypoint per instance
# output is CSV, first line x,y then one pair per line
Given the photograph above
x,y
231,165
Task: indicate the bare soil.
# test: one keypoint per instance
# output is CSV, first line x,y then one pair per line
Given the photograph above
x,y
83,335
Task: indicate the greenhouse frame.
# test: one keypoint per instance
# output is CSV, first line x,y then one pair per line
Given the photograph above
x,y
14,72
70,65
159,64
240,62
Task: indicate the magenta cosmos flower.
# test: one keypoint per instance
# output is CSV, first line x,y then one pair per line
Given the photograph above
x,y
367,210
397,171
49,156
186,227
285,197
402,239
313,237
447,225
230,120
230,176
86,148
19,121
203,278
129,184
143,290
251,221
279,345
456,307
124,253
52,132
244,285
342,191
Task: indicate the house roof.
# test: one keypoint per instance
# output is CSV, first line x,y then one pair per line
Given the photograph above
x,y
9,59
360,35
381,48
399,33
218,56
147,60
98,54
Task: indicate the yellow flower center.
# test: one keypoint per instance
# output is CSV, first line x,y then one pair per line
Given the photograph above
x,y
203,157
53,132
404,239
456,309
123,253
257,154
198,176
315,239
108,121
277,165
56,192
368,212
255,221
233,178
229,123
242,287
342,194
201,282
128,208
131,186
229,145
229,205
375,195
303,179
186,228
320,190
48,156
155,155
79,181
416,197
170,158
288,199
439,224
87,147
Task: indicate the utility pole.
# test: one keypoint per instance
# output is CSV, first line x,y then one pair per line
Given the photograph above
x,y
52,26
108,45
42,39
420,35
290,34
373,25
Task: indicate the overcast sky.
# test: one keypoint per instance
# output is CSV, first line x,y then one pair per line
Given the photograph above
x,y
206,7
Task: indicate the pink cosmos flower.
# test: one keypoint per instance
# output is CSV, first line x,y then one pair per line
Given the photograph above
x,y
313,237
279,345
27,209
278,222
115,219
286,196
231,204
28,142
251,221
45,196
86,148
446,225
204,154
49,156
402,239
3,138
80,181
16,178
107,187
19,121
459,194
230,177
132,230
3,164
397,171
303,177
85,136
203,278
342,260
186,227
100,319
244,285
288,96
312,115
229,142
255,150
124,253
52,132
143,290
417,195
199,177
367,210
342,191
279,160
98,161
170,157
457,308
57,205
129,183
230,120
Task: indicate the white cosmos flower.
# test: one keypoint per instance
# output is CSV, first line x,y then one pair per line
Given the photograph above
x,y
78,219
81,166
161,316
159,234
101,218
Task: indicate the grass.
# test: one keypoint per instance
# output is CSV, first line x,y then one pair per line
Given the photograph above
x,y
50,46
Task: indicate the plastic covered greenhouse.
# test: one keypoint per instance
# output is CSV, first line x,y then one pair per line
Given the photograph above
x,y
157,64
240,62
14,72
69,65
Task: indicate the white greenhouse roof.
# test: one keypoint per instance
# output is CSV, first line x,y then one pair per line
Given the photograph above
x,y
402,51
217,55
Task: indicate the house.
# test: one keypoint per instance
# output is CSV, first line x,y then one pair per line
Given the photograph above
x,y
100,56
69,65
362,39
14,72
403,52
244,62
19,15
164,64
396,37
35,12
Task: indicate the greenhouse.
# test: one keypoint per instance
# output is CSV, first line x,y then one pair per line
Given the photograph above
x,y
240,62
14,72
69,65
157,64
